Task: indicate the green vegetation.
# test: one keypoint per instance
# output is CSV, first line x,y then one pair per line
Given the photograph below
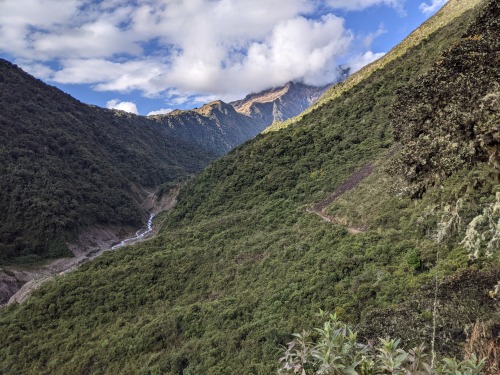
x,y
448,13
65,166
219,127
440,136
239,264
337,351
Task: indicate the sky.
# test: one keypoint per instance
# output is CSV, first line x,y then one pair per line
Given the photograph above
x,y
153,56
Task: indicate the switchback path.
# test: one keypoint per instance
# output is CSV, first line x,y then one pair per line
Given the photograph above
x,y
353,181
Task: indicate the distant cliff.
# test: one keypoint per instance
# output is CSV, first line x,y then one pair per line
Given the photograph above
x,y
218,127
279,104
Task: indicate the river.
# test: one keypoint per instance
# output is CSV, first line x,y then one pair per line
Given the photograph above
x,y
72,264
139,235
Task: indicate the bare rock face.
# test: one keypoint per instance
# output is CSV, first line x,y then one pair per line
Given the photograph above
x,y
9,285
218,127
279,104
215,127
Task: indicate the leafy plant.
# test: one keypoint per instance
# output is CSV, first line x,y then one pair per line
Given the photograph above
x,y
336,351
239,263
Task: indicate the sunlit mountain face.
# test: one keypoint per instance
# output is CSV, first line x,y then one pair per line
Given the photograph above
x,y
361,235
151,57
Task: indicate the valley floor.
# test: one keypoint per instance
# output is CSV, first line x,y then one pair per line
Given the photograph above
x,y
17,283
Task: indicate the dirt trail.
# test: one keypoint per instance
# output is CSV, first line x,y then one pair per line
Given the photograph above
x,y
90,244
353,181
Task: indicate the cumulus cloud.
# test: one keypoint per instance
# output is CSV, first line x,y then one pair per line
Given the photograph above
x,y
161,111
181,50
39,70
22,21
123,106
432,7
105,75
359,61
296,48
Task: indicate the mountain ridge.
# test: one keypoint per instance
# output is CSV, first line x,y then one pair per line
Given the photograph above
x,y
64,161
449,11
43,127
286,101
220,126
240,264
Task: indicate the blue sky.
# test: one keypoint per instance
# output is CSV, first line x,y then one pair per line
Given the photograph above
x,y
152,56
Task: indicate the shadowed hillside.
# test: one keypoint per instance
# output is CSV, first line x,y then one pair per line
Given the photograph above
x,y
216,126
219,127
241,263
65,166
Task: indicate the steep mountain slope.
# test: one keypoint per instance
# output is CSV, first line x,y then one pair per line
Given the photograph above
x,y
282,103
219,127
216,126
240,264
450,11
65,166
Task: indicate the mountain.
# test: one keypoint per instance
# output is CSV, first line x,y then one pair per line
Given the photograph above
x,y
282,103
215,127
66,166
453,10
324,213
219,127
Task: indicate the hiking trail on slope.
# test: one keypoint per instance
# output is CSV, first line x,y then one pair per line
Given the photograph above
x,y
353,181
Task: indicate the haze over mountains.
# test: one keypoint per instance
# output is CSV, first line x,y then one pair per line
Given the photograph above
x,y
381,204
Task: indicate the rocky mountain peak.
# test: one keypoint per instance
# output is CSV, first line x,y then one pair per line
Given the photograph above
x,y
217,105
279,103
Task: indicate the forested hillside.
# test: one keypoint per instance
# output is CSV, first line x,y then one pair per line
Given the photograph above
x,y
218,127
215,127
327,213
65,166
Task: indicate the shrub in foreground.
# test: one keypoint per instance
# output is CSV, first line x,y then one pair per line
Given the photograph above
x,y
335,350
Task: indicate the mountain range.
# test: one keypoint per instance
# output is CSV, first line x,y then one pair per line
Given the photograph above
x,y
98,161
67,165
380,204
222,126
71,172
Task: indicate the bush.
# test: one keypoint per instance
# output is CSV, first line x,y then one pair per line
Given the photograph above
x,y
336,351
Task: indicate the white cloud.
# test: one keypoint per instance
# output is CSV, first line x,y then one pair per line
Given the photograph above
x,y
296,48
161,111
36,69
432,7
362,4
21,20
123,106
135,74
97,39
359,61
372,36
182,50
